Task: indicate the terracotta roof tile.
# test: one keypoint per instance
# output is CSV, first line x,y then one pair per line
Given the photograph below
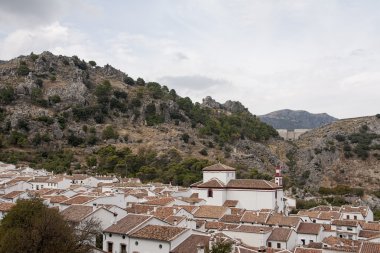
x,y
231,218
370,247
251,184
230,203
160,201
252,229
139,209
156,232
56,199
212,183
346,223
172,219
280,220
128,223
6,207
309,228
280,234
219,167
12,195
211,212
189,245
255,217
77,200
305,250
375,226
163,212
76,213
219,225
368,233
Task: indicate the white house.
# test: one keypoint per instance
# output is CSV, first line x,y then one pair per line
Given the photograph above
x,y
282,238
254,236
348,229
309,232
220,184
116,237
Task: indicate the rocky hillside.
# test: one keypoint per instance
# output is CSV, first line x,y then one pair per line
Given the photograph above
x,y
342,158
65,114
289,119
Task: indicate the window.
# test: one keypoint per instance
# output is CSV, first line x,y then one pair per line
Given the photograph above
x,y
349,229
109,247
136,243
269,244
314,221
347,216
123,248
209,193
275,194
303,241
355,217
311,241
110,235
123,236
278,245
160,246
350,237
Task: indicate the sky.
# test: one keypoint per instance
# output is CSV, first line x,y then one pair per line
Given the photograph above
x,y
314,55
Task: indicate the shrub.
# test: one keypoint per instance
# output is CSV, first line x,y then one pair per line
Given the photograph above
x,y
33,56
55,99
378,115
46,119
185,137
23,69
129,80
39,82
18,139
92,63
140,82
136,103
340,137
203,152
104,89
23,125
74,140
151,117
53,78
155,90
110,133
7,95
120,94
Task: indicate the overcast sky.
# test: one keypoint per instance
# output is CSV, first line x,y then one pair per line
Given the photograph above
x,y
314,55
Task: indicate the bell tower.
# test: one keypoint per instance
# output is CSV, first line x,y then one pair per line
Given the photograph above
x,y
278,176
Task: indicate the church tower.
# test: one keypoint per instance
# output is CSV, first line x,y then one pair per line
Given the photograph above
x,y
278,176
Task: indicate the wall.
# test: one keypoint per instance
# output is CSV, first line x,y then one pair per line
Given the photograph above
x,y
224,176
148,246
251,239
253,199
219,196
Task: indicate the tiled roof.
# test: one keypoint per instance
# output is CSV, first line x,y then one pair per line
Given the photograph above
x,y
189,245
212,183
39,180
309,228
355,209
310,214
56,199
12,195
280,220
251,184
127,224
160,201
77,200
192,200
219,167
368,233
139,209
280,234
163,212
252,229
172,219
219,225
346,223
369,247
375,226
305,250
329,215
255,217
5,207
156,232
230,203
231,218
189,208
76,213
325,208
211,212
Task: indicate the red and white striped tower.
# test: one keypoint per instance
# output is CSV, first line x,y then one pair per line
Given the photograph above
x,y
278,176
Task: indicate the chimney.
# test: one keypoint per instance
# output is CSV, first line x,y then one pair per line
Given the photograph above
x,y
174,211
200,248
175,222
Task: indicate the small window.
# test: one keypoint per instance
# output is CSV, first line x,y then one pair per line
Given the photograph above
x,y
110,235
160,246
123,248
303,241
209,193
109,247
314,221
123,236
136,243
311,241
349,229
269,245
278,245
347,216
355,217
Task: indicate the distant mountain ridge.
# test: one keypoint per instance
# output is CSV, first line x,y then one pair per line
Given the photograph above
x,y
296,119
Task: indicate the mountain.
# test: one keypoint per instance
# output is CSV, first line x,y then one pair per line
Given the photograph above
x,y
289,119
68,115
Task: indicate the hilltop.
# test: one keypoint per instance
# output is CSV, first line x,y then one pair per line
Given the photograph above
x,y
289,119
68,115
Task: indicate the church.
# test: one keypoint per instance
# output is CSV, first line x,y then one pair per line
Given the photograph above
x,y
220,187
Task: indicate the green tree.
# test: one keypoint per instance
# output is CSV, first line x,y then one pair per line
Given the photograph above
x,y
92,63
6,95
221,247
110,133
32,227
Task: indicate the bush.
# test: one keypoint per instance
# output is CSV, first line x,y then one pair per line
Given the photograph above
x,y
110,133
129,80
340,137
55,99
151,117
22,124
33,56
92,63
185,137
140,82
120,94
39,82
378,115
74,140
46,119
136,103
341,190
155,90
104,89
18,139
7,95
23,69
203,152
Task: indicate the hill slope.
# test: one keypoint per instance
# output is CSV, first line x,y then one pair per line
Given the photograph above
x,y
289,119
65,114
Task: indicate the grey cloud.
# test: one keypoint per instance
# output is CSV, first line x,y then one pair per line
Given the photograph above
x,y
180,56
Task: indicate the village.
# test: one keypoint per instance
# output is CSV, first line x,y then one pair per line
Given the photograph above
x,y
253,215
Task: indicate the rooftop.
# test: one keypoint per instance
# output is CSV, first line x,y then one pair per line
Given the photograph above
x,y
160,233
